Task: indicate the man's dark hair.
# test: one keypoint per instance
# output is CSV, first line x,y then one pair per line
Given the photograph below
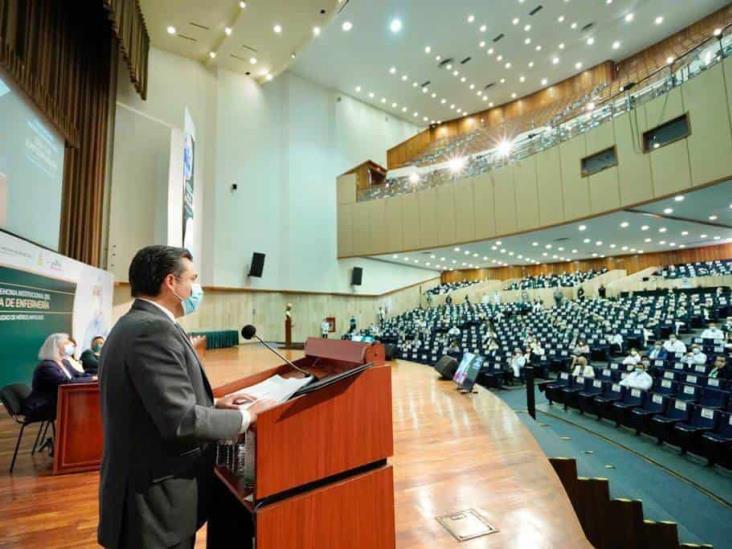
x,y
95,338
151,265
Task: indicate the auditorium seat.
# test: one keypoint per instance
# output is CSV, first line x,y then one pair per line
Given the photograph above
x,y
620,408
717,444
703,420
639,416
661,425
586,398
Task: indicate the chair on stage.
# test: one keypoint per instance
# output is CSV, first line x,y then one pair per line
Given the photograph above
x,y
12,397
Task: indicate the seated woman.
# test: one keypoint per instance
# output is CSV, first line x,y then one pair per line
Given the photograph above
x,y
71,359
581,350
90,357
583,368
52,371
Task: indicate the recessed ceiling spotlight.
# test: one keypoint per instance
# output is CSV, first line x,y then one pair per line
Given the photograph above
x,y
252,60
578,65
424,118
212,54
712,218
647,240
483,28
561,45
415,84
482,44
415,114
448,66
171,29
527,28
548,246
531,64
346,26
662,230
629,17
586,240
471,18
527,40
427,49
277,28
717,31
573,25
490,51
669,59
560,19
358,89
490,104
645,228
438,57
616,45
485,98
522,79
590,40
228,31
404,109
463,79
608,1
715,237
703,236
582,228
371,95
534,244
443,100
598,243
515,21
395,25
684,233
668,211
242,5
508,65
316,31
513,96
538,47
679,198
392,70
404,78
425,89
502,80
544,81
434,95
555,60
658,20
472,86
499,58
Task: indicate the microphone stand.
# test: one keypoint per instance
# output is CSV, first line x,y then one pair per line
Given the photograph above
x,y
283,358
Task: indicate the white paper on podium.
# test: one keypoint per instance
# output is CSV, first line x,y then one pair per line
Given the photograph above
x,y
276,388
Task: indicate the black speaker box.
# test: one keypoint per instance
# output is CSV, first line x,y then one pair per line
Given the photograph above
x,y
257,266
446,367
356,276
390,351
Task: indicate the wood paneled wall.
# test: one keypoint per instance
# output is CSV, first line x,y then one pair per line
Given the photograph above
x,y
631,69
630,263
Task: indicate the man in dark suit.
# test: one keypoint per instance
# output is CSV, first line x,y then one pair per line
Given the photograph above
x,y
90,357
158,412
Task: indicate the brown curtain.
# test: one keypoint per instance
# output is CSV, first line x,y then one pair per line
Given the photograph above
x,y
60,53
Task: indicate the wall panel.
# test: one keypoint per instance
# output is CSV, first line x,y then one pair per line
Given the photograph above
x,y
504,194
527,195
428,215
574,187
410,221
445,216
604,187
377,223
484,206
710,142
464,211
549,184
393,216
345,229
634,167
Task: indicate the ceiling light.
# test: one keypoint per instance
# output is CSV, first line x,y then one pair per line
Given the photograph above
x,y
712,218
658,20
508,65
515,21
443,100
717,31
555,60
573,25
242,5
684,233
527,40
527,28
472,87
624,224
548,247
668,211
415,84
504,148
586,241
490,104
582,227
662,230
679,198
425,119
513,96
434,95
531,64
644,228
590,41
394,105
578,65
395,25
212,54
647,240
438,57
471,18
456,165
534,243
228,31
560,19
629,17
414,177
268,77
371,95
171,30
522,79
538,47
404,78
669,59
427,49
502,80
404,109
452,107
561,45
482,44
483,28
544,81
490,51
499,58
703,236
358,89
392,70
598,243
316,31
277,28
715,237
383,99
574,250
463,79
346,26
485,98
616,45
425,90
252,60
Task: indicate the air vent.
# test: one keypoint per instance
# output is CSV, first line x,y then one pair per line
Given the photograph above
x,y
465,60
425,84
445,62
536,10
249,48
186,37
563,239
239,58
198,25
497,38
489,85
587,27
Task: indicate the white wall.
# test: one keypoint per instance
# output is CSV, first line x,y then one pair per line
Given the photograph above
x,y
283,144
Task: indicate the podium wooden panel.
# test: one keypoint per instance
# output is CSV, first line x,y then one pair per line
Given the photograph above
x,y
79,437
321,473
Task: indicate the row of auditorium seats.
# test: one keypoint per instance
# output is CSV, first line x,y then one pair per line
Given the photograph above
x,y
719,267
448,287
566,280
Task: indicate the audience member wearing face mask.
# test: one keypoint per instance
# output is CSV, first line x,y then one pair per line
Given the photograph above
x,y
712,332
90,357
638,378
53,370
674,345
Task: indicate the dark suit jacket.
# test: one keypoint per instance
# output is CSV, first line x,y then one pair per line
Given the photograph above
x,y
41,403
90,362
158,415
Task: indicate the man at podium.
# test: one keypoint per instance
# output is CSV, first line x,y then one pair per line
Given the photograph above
x,y
158,412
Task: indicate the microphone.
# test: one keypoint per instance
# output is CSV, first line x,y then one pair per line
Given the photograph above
x,y
249,331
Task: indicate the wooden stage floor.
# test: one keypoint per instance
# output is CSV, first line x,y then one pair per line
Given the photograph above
x,y
452,452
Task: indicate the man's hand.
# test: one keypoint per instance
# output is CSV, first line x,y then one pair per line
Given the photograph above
x,y
258,407
233,401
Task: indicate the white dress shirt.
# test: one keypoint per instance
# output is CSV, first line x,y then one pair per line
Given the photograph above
x,y
712,333
638,379
246,417
677,346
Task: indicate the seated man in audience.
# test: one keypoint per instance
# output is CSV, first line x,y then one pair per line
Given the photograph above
x,y
674,345
712,332
90,357
720,369
536,354
615,340
518,361
583,368
694,357
631,360
454,332
638,378
657,352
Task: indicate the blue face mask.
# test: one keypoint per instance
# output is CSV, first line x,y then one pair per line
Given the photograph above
x,y
190,304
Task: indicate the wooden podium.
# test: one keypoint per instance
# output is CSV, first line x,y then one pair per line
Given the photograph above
x,y
321,473
79,435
